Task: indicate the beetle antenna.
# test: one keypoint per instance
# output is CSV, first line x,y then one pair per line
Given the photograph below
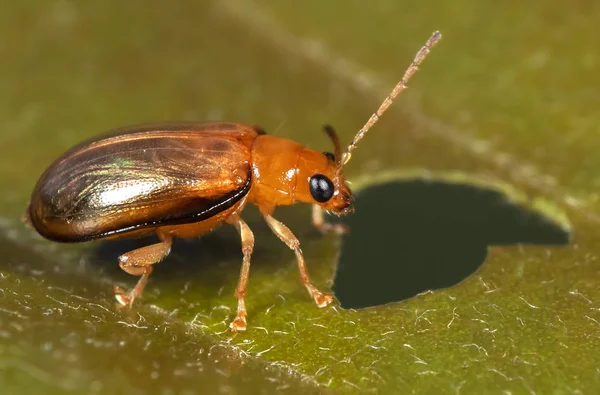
x,y
412,69
336,142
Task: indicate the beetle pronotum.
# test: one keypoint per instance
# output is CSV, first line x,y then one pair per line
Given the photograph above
x,y
185,179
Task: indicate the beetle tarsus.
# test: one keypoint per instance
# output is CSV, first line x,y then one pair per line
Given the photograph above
x,y
124,298
139,263
286,235
321,299
239,323
318,221
127,298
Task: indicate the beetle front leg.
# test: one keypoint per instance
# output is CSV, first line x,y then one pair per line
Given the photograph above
x,y
286,235
139,263
239,323
318,221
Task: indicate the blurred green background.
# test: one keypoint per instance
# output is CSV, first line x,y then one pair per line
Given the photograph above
x,y
497,136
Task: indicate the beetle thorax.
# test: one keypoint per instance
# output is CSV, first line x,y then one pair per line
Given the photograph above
x,y
275,171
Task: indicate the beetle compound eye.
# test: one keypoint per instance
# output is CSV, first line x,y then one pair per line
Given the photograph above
x,y
329,156
321,188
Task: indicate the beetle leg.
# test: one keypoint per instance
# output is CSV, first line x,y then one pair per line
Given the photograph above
x,y
139,263
286,235
318,220
239,323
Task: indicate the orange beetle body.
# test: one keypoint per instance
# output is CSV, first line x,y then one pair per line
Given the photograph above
x,y
138,180
185,179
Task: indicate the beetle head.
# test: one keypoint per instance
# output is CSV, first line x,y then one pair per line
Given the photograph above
x,y
326,185
341,201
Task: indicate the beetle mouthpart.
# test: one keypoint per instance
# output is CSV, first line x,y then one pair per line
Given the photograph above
x,y
344,211
346,206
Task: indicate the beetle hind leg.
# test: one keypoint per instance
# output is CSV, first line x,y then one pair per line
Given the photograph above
x,y
139,263
239,323
286,235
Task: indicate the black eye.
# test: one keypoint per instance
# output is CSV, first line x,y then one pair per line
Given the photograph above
x,y
329,156
321,188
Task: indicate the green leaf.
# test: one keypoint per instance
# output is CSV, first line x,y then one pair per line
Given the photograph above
x,y
503,107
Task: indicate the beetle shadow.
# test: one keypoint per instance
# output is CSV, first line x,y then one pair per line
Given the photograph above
x,y
410,237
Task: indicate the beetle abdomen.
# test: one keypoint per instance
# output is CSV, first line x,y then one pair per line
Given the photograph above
x,y
144,179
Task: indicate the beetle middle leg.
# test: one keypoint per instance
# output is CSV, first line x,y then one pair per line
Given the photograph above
x,y
239,323
318,221
285,234
139,263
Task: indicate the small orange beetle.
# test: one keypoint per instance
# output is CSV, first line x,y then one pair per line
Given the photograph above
x,y
185,179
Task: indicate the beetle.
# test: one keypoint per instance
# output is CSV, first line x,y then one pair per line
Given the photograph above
x,y
184,179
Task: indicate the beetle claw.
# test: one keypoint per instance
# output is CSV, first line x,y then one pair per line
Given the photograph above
x,y
124,298
322,300
238,324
